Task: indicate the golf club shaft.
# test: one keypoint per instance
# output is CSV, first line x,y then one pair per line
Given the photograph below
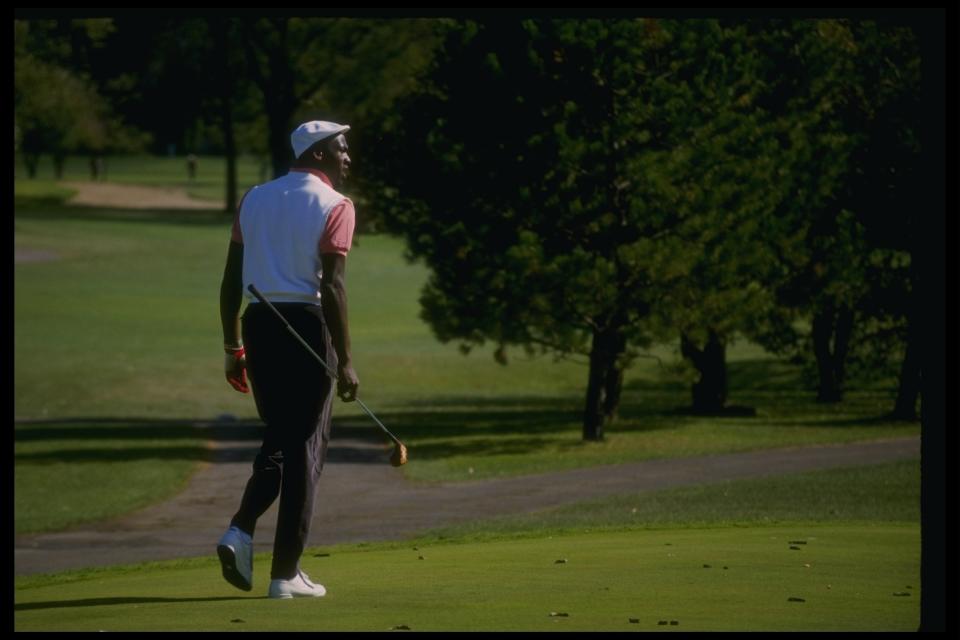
x,y
296,335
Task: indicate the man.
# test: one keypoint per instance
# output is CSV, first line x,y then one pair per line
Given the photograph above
x,y
290,239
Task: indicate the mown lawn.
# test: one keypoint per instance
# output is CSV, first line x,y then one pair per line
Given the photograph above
x,y
117,352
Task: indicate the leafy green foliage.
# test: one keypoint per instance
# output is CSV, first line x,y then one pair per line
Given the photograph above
x,y
848,103
58,109
598,184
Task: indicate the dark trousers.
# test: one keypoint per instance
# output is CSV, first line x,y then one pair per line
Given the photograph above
x,y
294,397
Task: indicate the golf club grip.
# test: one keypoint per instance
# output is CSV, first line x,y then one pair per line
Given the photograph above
x,y
296,335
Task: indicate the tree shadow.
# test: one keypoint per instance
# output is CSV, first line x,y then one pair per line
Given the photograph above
x,y
53,210
135,428
100,602
840,423
130,432
453,417
440,427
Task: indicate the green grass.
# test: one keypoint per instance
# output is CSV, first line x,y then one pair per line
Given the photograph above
x,y
471,440
888,492
632,556
125,325
39,193
117,352
148,170
72,473
847,575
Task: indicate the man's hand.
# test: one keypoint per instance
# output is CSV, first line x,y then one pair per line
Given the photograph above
x,y
235,367
347,383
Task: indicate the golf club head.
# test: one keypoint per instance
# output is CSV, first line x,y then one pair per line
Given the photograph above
x,y
399,456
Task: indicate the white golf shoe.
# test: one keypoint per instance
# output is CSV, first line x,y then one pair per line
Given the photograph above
x,y
298,586
236,558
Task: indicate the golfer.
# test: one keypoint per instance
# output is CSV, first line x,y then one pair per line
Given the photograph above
x,y
290,239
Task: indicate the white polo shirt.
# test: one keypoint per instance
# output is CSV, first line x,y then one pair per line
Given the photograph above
x,y
284,226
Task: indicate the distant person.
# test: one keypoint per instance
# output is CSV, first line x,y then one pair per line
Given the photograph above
x,y
290,239
191,166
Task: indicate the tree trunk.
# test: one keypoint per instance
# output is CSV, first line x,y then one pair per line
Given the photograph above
x,y
221,32
911,371
822,329
613,385
710,391
604,383
269,63
31,160
911,374
909,390
841,346
58,162
230,148
831,325
281,102
280,150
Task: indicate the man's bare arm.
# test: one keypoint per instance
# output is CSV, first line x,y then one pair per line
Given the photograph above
x,y
333,298
231,295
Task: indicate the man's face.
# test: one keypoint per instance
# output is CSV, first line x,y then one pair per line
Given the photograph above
x,y
336,160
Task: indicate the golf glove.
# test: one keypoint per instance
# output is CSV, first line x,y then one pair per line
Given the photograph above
x,y
235,367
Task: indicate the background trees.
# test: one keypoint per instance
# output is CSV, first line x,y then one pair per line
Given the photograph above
x,y
850,98
58,108
577,187
591,187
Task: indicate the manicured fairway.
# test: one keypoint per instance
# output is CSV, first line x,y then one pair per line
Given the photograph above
x,y
117,352
148,170
846,577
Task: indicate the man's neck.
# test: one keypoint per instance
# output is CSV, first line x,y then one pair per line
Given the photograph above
x,y
320,173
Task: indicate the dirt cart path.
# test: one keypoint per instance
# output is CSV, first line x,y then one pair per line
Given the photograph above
x,y
127,196
363,499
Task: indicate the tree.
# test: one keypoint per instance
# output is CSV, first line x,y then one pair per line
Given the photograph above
x,y
330,69
884,188
579,171
847,89
58,109
731,171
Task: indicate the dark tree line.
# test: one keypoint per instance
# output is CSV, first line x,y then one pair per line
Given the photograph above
x,y
597,185
575,186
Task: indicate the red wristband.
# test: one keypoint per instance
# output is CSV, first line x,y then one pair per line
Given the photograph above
x,y
237,353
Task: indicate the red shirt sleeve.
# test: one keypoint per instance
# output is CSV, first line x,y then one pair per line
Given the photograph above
x,y
338,235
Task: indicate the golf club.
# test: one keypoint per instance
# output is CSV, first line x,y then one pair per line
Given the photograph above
x,y
399,456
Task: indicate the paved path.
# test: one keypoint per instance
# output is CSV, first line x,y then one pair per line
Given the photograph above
x,y
371,501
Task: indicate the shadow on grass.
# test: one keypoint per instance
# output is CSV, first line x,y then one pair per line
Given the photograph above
x,y
101,602
435,428
127,435
840,423
51,209
134,428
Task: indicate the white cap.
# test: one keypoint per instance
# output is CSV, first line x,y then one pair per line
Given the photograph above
x,y
309,133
